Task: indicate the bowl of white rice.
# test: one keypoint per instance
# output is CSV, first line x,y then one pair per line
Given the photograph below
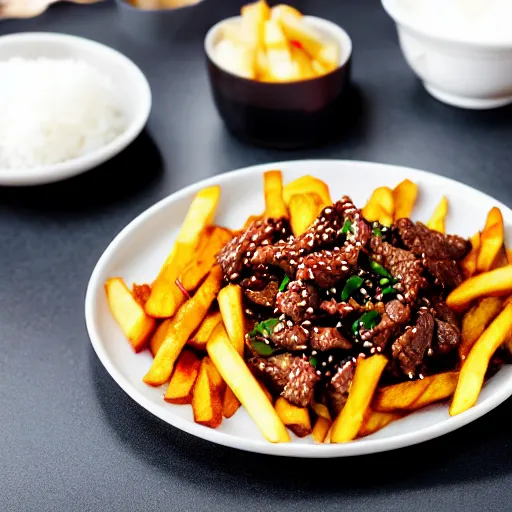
x,y
67,105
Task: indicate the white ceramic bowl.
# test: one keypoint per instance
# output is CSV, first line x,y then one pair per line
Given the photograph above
x,y
463,72
131,85
138,251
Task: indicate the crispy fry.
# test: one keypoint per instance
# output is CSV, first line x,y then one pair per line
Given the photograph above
x,y
303,62
366,377
492,240
186,321
246,388
281,67
404,196
254,16
231,307
307,185
129,314
468,264
380,207
322,426
475,366
374,421
321,410
275,208
509,256
494,283
230,404
183,379
413,395
205,258
166,298
437,221
141,293
199,339
295,418
475,322
501,259
207,396
304,209
159,336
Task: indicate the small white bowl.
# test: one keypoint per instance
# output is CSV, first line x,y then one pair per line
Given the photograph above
x,y
462,72
131,85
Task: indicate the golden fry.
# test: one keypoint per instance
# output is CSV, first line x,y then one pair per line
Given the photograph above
x,y
295,418
468,264
307,185
199,339
303,62
321,410
322,426
475,366
475,322
491,240
183,379
413,395
230,301
374,421
166,297
246,388
438,220
404,196
281,67
278,10
366,378
205,258
275,208
207,395
230,404
509,256
159,336
380,207
129,314
186,321
304,209
494,283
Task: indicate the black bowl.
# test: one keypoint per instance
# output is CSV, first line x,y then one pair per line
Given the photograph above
x,y
282,115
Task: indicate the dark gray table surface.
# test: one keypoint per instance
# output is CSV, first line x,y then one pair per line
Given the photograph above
x,y
70,439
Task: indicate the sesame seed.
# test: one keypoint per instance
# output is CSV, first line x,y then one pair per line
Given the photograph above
x,y
330,359
324,363
306,322
420,375
338,325
410,375
318,372
344,268
327,211
289,323
315,329
414,330
302,303
400,297
309,310
314,353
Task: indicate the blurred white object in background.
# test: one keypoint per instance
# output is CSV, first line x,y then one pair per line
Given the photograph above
x,y
30,8
460,49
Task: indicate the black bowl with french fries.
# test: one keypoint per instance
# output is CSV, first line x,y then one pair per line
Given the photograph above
x,y
278,78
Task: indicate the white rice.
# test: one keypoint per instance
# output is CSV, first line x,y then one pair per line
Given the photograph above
x,y
52,111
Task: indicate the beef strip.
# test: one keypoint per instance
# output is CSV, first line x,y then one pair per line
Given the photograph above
x,y
275,370
446,273
448,337
298,301
340,309
265,297
338,387
300,388
327,338
395,314
410,348
292,337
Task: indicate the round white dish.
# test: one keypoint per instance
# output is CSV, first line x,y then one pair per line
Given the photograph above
x,y
130,83
460,71
138,251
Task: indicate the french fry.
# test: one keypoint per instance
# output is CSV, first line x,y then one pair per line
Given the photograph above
x,y
322,426
366,378
509,256
380,207
318,68
491,240
199,339
186,321
304,209
275,208
236,58
261,63
301,58
254,16
295,418
205,258
129,314
278,10
159,336
374,421
494,283
231,308
281,67
321,410
183,379
437,221
207,395
413,395
475,322
475,366
245,387
141,293
404,197
468,264
501,259
230,404
307,185
166,297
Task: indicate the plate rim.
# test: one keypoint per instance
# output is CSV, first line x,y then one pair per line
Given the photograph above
x,y
353,448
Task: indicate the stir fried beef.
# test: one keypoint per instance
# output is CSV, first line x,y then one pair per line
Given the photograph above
x,y
344,288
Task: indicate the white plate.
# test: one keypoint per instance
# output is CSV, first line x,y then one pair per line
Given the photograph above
x,y
131,85
138,251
